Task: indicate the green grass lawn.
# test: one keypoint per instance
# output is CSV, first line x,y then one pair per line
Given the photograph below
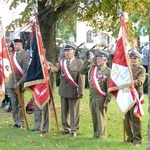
x,y
22,139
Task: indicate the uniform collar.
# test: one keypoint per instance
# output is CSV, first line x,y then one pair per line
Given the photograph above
x,y
70,60
18,51
102,67
134,67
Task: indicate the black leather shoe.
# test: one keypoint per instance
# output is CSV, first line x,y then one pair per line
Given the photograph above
x,y
15,125
65,132
19,127
9,109
73,135
44,132
129,141
35,130
3,105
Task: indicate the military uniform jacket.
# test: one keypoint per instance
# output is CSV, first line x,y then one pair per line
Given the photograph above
x,y
138,74
103,82
66,89
22,58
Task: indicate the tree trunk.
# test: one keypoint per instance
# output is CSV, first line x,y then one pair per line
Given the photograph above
x,y
48,16
47,20
49,40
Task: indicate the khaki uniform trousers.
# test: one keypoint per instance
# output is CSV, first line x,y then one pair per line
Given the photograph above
x,y
133,130
72,106
16,108
42,118
98,117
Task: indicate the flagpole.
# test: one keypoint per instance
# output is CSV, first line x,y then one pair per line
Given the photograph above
x,y
22,106
124,135
53,103
125,52
127,58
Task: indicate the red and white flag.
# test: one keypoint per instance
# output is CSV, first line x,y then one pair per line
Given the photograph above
x,y
121,83
37,75
5,67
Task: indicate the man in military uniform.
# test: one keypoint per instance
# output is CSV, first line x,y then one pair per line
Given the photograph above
x,y
71,91
84,53
132,122
42,116
20,60
99,76
61,51
93,51
96,49
145,51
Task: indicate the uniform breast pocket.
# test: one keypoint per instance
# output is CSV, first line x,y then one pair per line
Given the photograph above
x,y
74,69
74,72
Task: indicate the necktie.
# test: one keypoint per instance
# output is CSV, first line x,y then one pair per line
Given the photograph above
x,y
68,62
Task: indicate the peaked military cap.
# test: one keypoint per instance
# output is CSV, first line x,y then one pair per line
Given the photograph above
x,y
17,40
101,53
68,47
135,53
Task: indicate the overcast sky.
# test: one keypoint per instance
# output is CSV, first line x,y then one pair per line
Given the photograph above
x,y
8,15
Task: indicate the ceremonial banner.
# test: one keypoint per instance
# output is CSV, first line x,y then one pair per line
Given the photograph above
x,y
121,83
5,67
37,75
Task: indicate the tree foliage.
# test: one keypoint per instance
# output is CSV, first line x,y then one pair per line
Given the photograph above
x,y
102,15
65,30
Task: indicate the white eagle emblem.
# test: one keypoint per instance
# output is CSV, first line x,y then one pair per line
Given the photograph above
x,y
40,93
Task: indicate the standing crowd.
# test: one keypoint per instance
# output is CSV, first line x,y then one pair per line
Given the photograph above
x,y
71,90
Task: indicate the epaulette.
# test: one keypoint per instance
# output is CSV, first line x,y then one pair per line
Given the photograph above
x,y
108,68
80,60
141,67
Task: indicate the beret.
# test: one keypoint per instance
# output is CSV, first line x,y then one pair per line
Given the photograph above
x,y
101,53
17,40
135,53
69,47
